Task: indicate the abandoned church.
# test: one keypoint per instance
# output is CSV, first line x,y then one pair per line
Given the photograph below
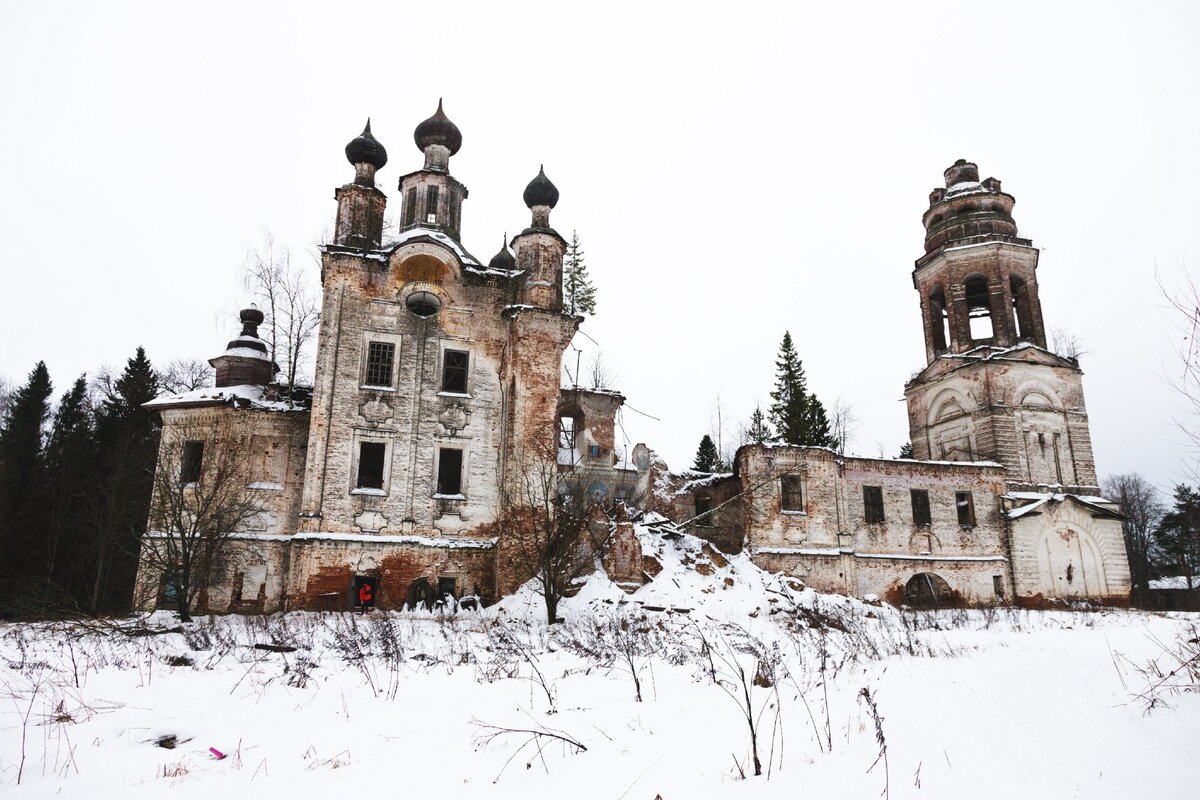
x,y
438,376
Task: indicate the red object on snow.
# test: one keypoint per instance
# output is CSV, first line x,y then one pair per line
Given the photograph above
x,y
217,754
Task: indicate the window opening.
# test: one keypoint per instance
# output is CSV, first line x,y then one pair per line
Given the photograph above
x,y
1057,462
449,480
998,585
447,586
704,507
566,433
1020,309
979,309
410,206
365,592
192,461
380,356
431,204
423,304
455,365
791,488
873,504
965,504
920,507
370,465
938,323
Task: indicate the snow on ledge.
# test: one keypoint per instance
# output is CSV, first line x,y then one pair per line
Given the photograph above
x,y
364,538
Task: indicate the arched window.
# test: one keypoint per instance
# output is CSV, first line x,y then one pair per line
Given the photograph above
x,y
979,309
928,590
1022,312
938,323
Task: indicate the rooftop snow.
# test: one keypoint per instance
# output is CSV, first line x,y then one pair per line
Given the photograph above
x,y
244,396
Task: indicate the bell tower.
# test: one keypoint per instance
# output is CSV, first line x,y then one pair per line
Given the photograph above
x,y
991,390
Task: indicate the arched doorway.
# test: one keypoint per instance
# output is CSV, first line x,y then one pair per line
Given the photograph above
x,y
927,590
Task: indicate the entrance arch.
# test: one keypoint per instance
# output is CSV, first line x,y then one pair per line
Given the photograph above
x,y
928,590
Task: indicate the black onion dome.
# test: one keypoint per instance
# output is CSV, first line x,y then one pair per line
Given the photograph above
x,y
438,129
504,259
366,149
540,191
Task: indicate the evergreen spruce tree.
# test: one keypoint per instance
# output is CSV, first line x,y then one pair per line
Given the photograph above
x,y
707,458
816,425
789,409
579,295
1178,534
21,488
70,463
127,449
759,431
906,450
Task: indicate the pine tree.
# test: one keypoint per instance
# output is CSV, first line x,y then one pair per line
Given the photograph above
x,y
789,410
906,450
706,456
579,295
21,486
759,431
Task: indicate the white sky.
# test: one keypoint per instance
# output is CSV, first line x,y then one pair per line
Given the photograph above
x,y
731,173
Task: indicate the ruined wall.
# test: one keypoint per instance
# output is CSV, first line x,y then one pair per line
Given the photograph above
x,y
832,547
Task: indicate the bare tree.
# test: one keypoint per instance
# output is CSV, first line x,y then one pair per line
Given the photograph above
x,y
1182,298
718,419
601,372
1066,344
1142,508
290,307
185,375
6,393
843,423
201,498
547,520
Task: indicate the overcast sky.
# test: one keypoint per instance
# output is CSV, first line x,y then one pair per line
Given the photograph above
x,y
732,174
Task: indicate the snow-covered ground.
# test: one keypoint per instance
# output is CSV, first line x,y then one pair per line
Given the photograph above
x,y
980,704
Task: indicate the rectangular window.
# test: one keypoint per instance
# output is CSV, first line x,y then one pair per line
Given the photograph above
x,y
873,504
447,586
431,204
998,585
365,591
370,465
410,206
455,364
449,479
792,490
191,462
704,515
966,508
920,506
380,356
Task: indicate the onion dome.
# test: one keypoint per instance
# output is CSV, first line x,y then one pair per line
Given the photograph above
x,y
540,191
504,260
366,149
438,129
248,339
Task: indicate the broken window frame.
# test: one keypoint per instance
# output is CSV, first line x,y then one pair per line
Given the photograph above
x,y
372,460
873,512
431,204
410,206
455,377
791,494
964,504
704,512
921,513
191,462
450,481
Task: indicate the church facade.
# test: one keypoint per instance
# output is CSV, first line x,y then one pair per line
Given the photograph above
x,y
437,380
437,383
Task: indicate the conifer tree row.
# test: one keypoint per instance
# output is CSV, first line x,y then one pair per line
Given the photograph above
x,y
75,492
